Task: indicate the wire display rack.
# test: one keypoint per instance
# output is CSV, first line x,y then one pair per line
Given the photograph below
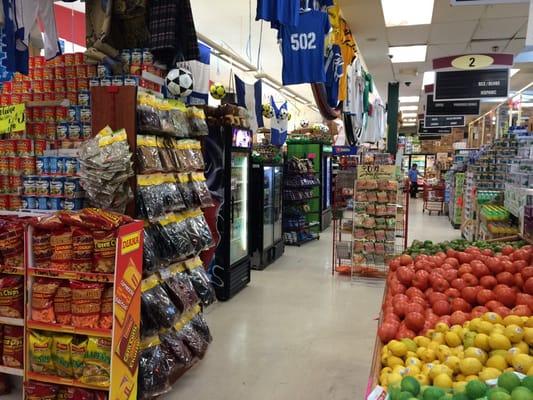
x,y
380,221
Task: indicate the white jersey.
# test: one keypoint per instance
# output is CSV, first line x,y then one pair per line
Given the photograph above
x,y
26,14
353,104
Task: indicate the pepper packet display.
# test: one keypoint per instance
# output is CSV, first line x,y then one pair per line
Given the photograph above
x,y
200,281
175,231
201,190
197,121
198,230
159,195
191,337
155,368
159,311
179,287
148,160
190,155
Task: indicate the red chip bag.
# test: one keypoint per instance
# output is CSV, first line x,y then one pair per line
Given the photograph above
x,y
106,313
12,244
103,219
11,296
73,393
105,243
13,344
42,249
43,292
86,304
41,391
62,304
61,242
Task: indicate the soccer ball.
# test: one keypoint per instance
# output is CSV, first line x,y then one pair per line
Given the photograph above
x,y
179,82
283,114
304,123
217,90
268,112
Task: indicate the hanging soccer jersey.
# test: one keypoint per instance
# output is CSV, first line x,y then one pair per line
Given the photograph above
x,y
303,49
334,68
278,12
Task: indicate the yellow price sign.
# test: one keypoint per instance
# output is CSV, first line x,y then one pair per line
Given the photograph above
x,y
365,172
12,118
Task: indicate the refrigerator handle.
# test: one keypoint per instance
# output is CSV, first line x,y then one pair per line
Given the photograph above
x,y
232,211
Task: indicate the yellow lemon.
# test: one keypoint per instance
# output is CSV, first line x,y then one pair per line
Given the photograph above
x,y
489,373
472,378
492,317
438,337
441,327
460,378
502,353
426,368
393,361
413,361
399,369
413,370
497,361
513,320
528,335
522,362
470,366
474,324
421,341
528,322
410,354
453,363
476,353
443,352
384,349
511,353
524,348
452,339
398,349
422,379
497,341
443,381
420,351
411,345
514,332
439,370
383,380
530,371
498,328
386,370
459,386
434,346
429,355
482,341
485,327
394,379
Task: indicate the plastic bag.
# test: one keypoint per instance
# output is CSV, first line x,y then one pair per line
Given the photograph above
x,y
97,362
154,369
82,250
199,231
40,357
166,155
13,346
187,191
150,250
179,287
200,281
201,190
174,343
196,343
148,160
78,348
200,324
157,305
106,313
175,232
197,121
159,195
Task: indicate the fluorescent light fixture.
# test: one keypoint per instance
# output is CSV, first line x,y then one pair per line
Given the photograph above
x,y
409,124
409,120
403,54
428,79
407,12
527,105
409,99
408,108
514,71
409,115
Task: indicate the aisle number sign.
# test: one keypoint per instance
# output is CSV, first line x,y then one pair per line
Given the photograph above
x,y
12,118
473,61
367,172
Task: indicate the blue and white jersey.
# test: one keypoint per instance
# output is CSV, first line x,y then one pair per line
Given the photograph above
x,y
334,69
279,12
303,49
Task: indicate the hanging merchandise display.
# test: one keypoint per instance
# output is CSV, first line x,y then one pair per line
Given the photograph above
x,y
334,70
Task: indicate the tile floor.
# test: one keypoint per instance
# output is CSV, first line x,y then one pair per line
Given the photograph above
x,y
297,332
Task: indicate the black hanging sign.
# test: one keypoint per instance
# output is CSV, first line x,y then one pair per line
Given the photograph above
x,y
422,130
444,121
461,107
471,85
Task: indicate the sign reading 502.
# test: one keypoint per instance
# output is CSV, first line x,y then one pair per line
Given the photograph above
x,y
303,41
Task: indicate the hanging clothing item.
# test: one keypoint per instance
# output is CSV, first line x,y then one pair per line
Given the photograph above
x,y
303,49
369,88
334,68
172,30
278,12
279,123
353,105
26,14
348,51
128,24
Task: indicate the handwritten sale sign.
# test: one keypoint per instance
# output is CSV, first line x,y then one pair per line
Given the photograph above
x,y
365,172
12,118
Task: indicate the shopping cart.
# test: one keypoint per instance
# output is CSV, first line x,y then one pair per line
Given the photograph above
x,y
434,197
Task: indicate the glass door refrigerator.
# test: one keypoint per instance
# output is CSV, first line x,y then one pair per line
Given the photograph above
x,y
327,173
228,171
266,237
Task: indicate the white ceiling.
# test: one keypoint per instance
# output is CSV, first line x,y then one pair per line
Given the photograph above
x,y
454,30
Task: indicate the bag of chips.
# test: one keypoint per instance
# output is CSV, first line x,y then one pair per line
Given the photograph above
x,y
40,347
86,303
42,249
61,243
106,313
13,344
40,391
78,348
11,296
82,250
61,355
43,291
74,393
155,367
12,244
105,243
97,362
157,305
62,304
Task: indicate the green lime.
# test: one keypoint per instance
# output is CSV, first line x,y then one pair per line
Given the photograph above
x,y
528,382
411,385
460,396
521,393
508,381
498,393
433,393
476,389
405,396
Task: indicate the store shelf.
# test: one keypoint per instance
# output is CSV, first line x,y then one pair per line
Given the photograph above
x,y
12,321
61,381
43,326
11,371
11,270
71,275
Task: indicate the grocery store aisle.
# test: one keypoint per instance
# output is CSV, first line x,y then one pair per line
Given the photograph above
x,y
423,226
294,333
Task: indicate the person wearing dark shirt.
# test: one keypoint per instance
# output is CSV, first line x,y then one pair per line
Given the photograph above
x,y
413,174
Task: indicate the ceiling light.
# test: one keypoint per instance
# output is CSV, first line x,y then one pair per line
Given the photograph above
x,y
409,115
410,124
408,108
429,78
514,71
407,12
402,54
409,119
409,99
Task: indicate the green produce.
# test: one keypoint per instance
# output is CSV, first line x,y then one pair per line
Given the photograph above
x,y
411,385
499,396
528,382
406,396
460,396
521,393
433,393
508,381
428,247
476,389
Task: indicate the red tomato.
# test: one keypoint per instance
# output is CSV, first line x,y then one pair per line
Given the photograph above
x,y
447,266
464,269
420,301
507,250
421,280
458,283
414,292
519,265
493,304
405,275
452,253
400,297
488,282
505,278
470,279
459,304
399,308
440,284
458,318
386,332
404,332
465,257
502,311
495,265
452,293
415,321
397,288
469,293
479,269
472,250
405,259
487,252
524,299
505,295
478,311
452,261
450,274
445,319
420,265
413,308
394,264
528,286
521,310
527,273
437,296
484,296
508,266
441,255
518,280
441,307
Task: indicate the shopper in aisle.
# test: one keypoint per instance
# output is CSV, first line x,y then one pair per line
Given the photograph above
x,y
414,173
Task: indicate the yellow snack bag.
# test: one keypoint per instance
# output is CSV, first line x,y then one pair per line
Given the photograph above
x,y
97,362
61,355
41,353
78,348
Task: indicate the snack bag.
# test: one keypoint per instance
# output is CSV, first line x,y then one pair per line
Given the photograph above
x,y
82,250
40,391
154,369
97,362
41,353
61,355
105,243
11,296
13,344
43,291
61,243
78,348
62,304
86,303
106,313
156,302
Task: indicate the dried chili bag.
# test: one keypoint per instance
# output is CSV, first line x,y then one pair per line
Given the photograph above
x,y
86,303
187,191
157,303
148,118
159,195
173,146
154,369
175,232
180,120
150,250
200,281
201,191
200,324
13,346
40,391
40,349
179,287
11,296
148,160
196,343
43,291
62,304
174,343
198,230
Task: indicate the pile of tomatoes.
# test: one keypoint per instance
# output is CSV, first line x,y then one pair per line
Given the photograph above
x,y
454,287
